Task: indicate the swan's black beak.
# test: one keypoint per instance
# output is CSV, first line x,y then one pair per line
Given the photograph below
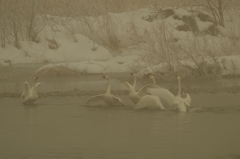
x,y
104,76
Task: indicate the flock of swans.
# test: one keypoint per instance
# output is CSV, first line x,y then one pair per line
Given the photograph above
x,y
149,96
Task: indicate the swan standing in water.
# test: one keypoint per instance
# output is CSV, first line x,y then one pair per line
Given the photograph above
x,y
140,99
30,94
182,104
107,97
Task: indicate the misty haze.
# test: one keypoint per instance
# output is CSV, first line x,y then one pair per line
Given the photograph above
x,y
120,79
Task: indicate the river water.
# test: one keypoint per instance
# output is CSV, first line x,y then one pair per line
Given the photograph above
x,y
61,127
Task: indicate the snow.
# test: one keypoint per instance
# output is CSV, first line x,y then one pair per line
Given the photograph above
x,y
68,51
80,53
182,12
202,26
117,64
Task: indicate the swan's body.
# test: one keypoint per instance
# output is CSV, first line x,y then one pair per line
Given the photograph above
x,y
107,97
30,94
134,95
182,104
140,99
150,102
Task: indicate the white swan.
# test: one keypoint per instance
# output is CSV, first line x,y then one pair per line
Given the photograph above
x,y
140,99
30,94
150,102
134,95
182,104
107,97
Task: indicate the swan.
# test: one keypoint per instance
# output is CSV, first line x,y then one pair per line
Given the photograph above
x,y
150,102
107,97
182,104
134,95
140,99
30,94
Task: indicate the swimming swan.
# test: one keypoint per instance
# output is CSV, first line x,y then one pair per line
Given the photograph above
x,y
30,94
182,104
109,99
134,95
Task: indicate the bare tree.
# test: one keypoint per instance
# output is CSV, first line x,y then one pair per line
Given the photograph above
x,y
217,8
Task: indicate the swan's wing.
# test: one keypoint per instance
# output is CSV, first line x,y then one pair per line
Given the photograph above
x,y
187,101
129,85
149,101
142,91
180,105
26,90
37,84
34,89
94,100
163,94
118,100
143,103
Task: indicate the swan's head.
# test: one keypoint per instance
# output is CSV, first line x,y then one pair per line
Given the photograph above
x,y
178,77
133,74
151,76
35,78
105,76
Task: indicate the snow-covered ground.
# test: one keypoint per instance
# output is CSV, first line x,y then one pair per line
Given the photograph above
x,y
77,52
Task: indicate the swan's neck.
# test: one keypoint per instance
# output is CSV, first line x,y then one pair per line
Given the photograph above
x,y
109,87
179,88
134,82
34,83
154,81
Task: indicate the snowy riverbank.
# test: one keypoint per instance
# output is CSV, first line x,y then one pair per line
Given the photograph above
x,y
139,47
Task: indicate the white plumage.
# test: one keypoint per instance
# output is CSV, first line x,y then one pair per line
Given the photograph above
x,y
140,99
182,104
30,94
150,102
134,95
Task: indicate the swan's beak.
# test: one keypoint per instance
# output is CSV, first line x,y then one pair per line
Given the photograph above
x,y
105,76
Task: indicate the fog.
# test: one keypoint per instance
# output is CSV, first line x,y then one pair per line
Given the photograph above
x,y
119,79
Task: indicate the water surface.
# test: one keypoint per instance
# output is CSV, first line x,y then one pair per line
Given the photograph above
x,y
63,128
